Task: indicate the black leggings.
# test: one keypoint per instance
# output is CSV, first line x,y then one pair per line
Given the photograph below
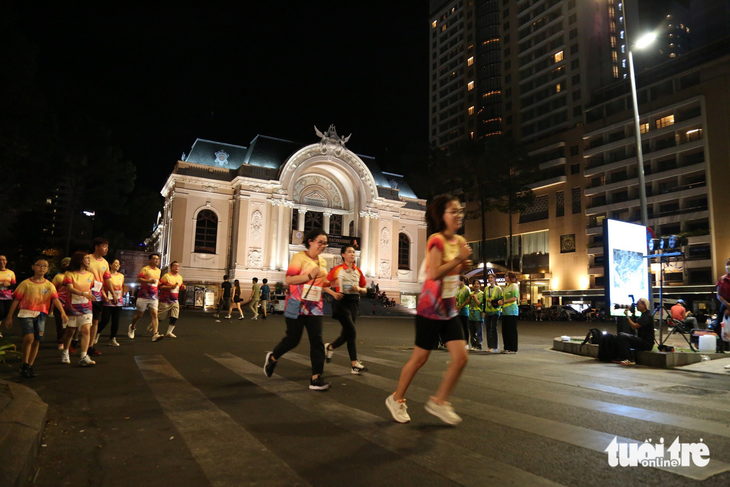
x,y
346,311
509,333
465,326
294,330
107,313
490,322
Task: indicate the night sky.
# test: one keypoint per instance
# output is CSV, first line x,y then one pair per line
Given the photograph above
x,y
161,76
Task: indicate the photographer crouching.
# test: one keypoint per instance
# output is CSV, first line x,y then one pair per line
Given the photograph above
x,y
643,340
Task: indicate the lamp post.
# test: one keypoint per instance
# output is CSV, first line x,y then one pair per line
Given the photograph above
x,y
641,43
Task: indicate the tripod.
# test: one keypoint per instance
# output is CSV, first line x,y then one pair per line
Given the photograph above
x,y
678,328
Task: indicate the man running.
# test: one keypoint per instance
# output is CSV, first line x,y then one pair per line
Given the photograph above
x,y
170,286
149,277
102,285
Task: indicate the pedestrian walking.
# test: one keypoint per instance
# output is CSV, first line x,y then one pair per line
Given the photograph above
x,y
170,286
306,277
113,309
492,309
224,303
346,306
237,300
510,311
7,281
148,298
265,293
255,298
33,298
436,313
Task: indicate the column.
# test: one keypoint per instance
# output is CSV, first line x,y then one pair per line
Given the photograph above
x,y
300,220
274,218
326,222
365,242
283,239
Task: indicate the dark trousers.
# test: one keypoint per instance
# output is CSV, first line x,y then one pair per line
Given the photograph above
x,y
509,333
346,311
490,323
626,342
60,330
5,308
110,312
465,326
294,330
475,333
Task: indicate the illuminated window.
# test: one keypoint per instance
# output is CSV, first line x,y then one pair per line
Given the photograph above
x,y
644,128
672,54
665,121
471,110
615,71
472,135
558,56
443,27
613,42
433,24
470,86
470,61
49,201
557,88
695,134
614,56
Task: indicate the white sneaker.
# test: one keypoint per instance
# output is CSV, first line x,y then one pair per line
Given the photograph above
x,y
444,412
354,370
170,334
727,366
228,317
255,317
96,340
65,359
157,337
86,362
130,333
398,409
113,342
360,366
328,353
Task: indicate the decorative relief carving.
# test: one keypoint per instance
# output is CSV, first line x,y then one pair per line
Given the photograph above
x,y
255,258
331,142
257,222
322,185
384,238
385,269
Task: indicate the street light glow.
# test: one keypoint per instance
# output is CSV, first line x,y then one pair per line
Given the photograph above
x,y
645,40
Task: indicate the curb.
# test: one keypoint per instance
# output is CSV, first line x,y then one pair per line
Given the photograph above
x,y
22,420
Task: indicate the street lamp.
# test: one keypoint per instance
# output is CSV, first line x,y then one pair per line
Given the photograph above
x,y
643,42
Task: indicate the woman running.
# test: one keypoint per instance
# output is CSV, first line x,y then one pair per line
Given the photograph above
x,y
78,281
306,277
111,310
346,306
446,254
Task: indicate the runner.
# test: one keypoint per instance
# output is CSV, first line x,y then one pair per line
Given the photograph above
x,y
7,281
306,276
34,297
346,306
265,292
78,281
170,286
102,285
447,254
112,310
63,298
149,278
255,298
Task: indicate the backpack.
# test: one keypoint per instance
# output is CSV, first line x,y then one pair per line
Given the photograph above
x,y
608,348
593,337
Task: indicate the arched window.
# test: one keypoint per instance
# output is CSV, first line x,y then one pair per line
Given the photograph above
x,y
404,251
206,232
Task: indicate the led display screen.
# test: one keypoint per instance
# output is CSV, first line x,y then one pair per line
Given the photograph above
x,y
626,265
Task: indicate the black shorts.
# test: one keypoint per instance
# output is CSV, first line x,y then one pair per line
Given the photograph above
x,y
428,331
96,308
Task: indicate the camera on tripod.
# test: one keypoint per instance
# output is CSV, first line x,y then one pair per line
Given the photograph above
x,y
631,307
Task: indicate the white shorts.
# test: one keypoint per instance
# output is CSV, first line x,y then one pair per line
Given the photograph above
x,y
171,309
79,321
143,304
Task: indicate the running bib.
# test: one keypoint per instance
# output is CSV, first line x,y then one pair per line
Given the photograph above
x,y
78,299
315,294
449,286
348,280
175,290
118,295
97,287
27,313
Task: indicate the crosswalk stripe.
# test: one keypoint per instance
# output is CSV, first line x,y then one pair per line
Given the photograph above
x,y
452,461
702,425
566,433
227,453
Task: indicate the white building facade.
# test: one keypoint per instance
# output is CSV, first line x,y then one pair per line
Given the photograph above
x,y
242,212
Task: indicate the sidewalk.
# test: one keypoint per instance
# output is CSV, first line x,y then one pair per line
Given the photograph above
x,y
22,419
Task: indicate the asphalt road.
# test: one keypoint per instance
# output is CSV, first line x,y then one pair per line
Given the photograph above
x,y
198,411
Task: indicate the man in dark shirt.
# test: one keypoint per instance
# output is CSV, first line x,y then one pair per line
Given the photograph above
x,y
225,300
644,338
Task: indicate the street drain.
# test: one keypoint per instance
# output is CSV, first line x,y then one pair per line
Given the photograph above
x,y
689,391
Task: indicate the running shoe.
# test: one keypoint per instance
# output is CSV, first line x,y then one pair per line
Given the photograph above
x,y
157,337
328,353
86,361
355,370
25,371
269,364
228,317
31,372
93,352
130,333
628,362
319,384
443,411
255,317
398,409
65,359
240,317
360,366
96,340
170,334
113,342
